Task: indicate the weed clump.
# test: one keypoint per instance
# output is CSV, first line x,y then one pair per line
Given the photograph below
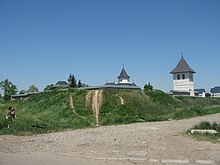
x,y
206,136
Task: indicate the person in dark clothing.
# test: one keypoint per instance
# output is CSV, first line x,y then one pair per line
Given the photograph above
x,y
8,116
13,115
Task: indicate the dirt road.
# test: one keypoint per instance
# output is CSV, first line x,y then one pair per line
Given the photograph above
x,y
141,143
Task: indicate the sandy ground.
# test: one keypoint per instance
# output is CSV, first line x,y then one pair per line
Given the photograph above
x,y
141,143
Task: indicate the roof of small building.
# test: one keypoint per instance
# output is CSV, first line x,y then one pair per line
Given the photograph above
x,y
123,74
200,91
111,83
179,92
133,84
61,83
182,66
215,89
119,87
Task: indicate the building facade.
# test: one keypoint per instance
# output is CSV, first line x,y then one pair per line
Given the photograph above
x,y
200,92
215,92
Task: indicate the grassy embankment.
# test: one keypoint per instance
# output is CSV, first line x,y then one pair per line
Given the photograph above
x,y
50,111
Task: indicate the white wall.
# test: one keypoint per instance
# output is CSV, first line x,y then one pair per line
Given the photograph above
x,y
185,84
215,94
123,81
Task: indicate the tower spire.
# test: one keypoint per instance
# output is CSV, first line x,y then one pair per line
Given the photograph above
x,y
123,77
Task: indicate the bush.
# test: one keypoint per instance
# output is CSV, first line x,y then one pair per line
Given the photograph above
x,y
214,138
203,125
208,125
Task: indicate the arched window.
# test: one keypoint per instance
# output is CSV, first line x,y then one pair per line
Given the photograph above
x,y
178,77
183,76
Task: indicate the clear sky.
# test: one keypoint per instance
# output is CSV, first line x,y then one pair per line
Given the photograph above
x,y
43,41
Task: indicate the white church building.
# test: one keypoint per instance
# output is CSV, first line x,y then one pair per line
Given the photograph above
x,y
183,83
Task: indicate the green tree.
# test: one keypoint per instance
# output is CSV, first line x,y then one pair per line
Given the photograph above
x,y
32,88
48,87
8,88
1,98
84,85
148,87
73,82
79,84
207,95
22,92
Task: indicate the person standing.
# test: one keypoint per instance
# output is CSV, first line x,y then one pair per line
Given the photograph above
x,y
8,116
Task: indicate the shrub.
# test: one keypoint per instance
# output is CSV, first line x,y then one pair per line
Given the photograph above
x,y
203,125
207,136
208,125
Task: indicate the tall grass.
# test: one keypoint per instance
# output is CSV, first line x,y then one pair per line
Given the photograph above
x,y
208,125
46,112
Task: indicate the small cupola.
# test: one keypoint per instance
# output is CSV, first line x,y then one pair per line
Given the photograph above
x,y
123,78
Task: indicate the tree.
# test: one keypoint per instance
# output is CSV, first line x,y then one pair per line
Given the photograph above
x,y
79,84
48,87
8,88
207,95
32,88
148,87
1,98
85,85
73,82
22,92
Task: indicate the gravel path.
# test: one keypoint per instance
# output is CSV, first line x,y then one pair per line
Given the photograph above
x,y
140,143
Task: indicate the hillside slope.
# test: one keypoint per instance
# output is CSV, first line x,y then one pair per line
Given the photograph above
x,y
72,109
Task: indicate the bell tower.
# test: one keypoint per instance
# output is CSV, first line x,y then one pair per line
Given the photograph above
x,y
123,78
183,78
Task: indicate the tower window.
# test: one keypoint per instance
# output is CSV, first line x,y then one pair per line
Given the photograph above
x,y
183,76
178,77
191,77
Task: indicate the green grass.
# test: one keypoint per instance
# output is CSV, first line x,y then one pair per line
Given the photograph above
x,y
50,111
214,138
45,112
207,125
153,106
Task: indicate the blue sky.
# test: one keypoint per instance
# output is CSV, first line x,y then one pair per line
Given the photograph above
x,y
42,41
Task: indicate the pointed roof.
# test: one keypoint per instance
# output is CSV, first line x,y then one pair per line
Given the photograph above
x,y
123,74
182,66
